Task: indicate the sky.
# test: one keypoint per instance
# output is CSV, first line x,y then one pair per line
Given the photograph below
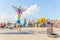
x,y
35,9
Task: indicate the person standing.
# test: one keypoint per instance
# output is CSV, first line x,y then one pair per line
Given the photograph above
x,y
25,22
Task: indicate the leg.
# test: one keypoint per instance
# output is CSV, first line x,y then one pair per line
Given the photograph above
x,y
19,28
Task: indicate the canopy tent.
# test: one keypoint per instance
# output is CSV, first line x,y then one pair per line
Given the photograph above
x,y
40,20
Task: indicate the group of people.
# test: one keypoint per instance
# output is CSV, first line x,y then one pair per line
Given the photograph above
x,y
29,23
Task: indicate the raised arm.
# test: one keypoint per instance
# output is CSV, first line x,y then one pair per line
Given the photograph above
x,y
15,8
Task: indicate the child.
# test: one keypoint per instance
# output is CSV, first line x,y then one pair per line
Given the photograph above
x,y
50,28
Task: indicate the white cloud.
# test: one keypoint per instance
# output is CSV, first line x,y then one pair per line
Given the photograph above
x,y
6,17
30,11
3,16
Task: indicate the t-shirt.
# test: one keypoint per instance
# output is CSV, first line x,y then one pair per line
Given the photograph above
x,y
19,11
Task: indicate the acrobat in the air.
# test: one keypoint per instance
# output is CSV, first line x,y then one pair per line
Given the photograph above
x,y
19,11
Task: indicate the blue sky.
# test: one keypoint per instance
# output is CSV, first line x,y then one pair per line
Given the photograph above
x,y
48,8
